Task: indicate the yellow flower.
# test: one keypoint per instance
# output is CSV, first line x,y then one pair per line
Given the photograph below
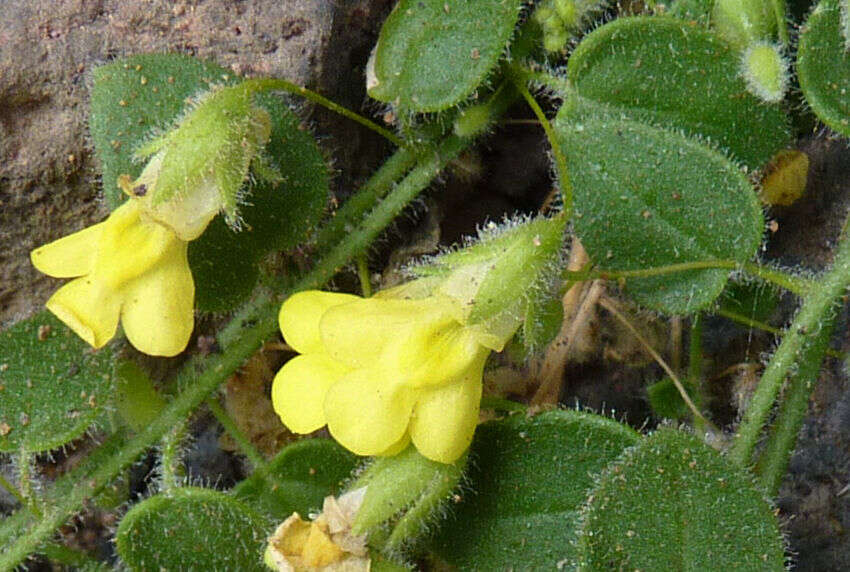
x,y
127,267
382,371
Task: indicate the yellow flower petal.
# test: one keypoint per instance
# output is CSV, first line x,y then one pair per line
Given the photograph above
x,y
299,318
357,334
130,245
70,256
366,413
299,389
89,308
444,418
435,353
158,313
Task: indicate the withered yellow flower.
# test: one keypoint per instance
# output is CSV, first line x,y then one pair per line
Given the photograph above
x,y
129,268
382,371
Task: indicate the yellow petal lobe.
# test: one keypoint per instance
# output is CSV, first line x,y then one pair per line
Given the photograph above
x,y
300,314
299,389
158,311
88,308
70,256
366,413
444,418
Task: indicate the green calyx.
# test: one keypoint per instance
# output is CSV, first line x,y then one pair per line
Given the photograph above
x,y
403,495
493,279
197,169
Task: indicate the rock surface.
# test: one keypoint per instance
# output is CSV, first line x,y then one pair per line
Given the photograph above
x,y
48,181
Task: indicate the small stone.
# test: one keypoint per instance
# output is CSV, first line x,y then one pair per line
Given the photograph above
x,y
24,419
5,429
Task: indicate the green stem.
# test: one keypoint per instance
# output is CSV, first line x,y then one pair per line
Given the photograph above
x,y
276,84
809,321
10,488
773,462
363,275
695,367
744,320
749,322
518,77
25,467
352,212
254,330
171,462
245,445
796,284
67,556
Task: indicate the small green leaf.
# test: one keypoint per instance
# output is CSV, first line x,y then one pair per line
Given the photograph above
x,y
138,97
192,529
298,478
432,54
528,478
673,74
666,401
823,65
648,197
673,503
52,386
136,399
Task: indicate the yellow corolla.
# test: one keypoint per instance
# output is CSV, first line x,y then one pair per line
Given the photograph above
x,y
127,267
382,371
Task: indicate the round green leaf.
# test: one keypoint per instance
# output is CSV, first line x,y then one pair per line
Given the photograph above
x,y
137,97
52,385
432,54
823,65
646,197
528,479
192,529
673,74
673,503
299,477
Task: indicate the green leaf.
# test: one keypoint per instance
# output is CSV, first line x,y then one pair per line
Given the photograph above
x,y
673,74
666,401
648,197
137,97
52,385
528,479
136,399
192,529
673,503
298,478
432,54
823,65
144,95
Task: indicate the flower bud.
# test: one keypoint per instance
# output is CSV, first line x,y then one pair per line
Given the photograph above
x,y
197,169
765,72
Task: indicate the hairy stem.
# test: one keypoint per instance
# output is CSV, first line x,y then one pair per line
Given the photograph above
x,y
773,462
276,84
245,445
813,316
